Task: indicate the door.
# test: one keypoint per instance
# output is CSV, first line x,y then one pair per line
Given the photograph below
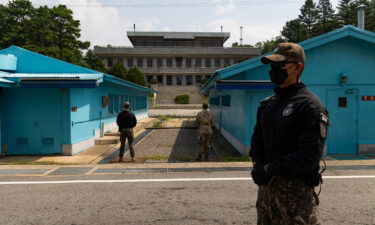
x,y
343,112
34,121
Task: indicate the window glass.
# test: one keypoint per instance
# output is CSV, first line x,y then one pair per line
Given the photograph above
x,y
159,62
179,80
149,62
110,62
130,62
189,80
169,80
208,63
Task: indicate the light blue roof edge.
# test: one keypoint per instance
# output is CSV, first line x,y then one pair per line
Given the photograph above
x,y
81,76
6,81
115,80
48,57
307,44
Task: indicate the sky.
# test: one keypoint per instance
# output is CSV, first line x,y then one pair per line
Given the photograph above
x,y
105,22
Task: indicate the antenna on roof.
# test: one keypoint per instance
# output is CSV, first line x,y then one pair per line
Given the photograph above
x,y
221,29
134,27
241,36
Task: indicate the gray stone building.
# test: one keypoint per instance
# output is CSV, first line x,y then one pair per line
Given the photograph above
x,y
176,60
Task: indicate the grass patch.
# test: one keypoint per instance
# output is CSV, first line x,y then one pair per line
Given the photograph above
x,y
236,159
157,124
164,117
157,157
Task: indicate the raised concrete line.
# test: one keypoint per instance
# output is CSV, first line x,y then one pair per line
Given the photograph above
x,y
163,180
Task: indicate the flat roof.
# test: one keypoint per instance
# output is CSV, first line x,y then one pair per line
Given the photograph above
x,y
179,35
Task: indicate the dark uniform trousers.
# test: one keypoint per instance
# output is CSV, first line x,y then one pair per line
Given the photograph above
x,y
287,201
127,133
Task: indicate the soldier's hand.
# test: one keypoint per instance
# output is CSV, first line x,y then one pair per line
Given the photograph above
x,y
259,175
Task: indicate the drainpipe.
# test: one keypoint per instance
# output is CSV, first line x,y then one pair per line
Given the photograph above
x,y
361,16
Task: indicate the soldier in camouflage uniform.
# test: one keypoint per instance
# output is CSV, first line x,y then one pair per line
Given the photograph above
x,y
287,143
205,123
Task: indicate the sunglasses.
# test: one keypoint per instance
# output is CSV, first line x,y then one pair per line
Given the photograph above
x,y
280,64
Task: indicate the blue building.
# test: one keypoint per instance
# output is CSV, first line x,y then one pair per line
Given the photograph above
x,y
53,107
339,69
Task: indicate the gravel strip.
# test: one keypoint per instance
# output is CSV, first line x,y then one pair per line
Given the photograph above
x,y
168,145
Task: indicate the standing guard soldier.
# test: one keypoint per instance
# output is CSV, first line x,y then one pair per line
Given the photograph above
x,y
126,121
287,143
205,123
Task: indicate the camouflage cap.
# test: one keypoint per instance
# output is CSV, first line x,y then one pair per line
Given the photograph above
x,y
290,52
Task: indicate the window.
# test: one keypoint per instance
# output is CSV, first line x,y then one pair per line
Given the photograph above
x,y
226,62
198,78
214,101
189,80
217,62
208,63
179,62
149,78
111,100
159,62
149,62
169,80
169,62
139,62
225,100
342,102
130,62
179,80
188,62
197,62
110,62
160,79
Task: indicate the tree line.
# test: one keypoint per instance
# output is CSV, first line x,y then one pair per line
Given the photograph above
x,y
319,17
53,32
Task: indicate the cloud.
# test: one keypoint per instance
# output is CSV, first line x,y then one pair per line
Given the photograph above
x,y
251,33
223,8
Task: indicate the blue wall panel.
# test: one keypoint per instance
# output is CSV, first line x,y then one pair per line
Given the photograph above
x,y
90,113
325,65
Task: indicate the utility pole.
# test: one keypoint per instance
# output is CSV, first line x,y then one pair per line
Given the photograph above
x,y
241,36
221,29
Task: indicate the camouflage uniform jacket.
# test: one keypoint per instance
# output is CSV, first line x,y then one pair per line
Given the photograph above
x,y
204,119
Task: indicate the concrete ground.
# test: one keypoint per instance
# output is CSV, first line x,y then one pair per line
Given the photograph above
x,y
160,145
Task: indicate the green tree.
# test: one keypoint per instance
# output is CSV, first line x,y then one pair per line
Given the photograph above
x,y
370,16
93,61
327,20
346,14
136,76
269,45
119,71
49,31
309,16
237,45
295,31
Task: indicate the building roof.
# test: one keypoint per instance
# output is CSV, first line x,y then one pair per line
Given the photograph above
x,y
307,44
35,66
179,35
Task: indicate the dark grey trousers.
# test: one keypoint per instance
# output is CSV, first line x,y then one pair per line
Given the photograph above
x,y
127,133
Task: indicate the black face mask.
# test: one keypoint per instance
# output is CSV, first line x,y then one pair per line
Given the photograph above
x,y
278,75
